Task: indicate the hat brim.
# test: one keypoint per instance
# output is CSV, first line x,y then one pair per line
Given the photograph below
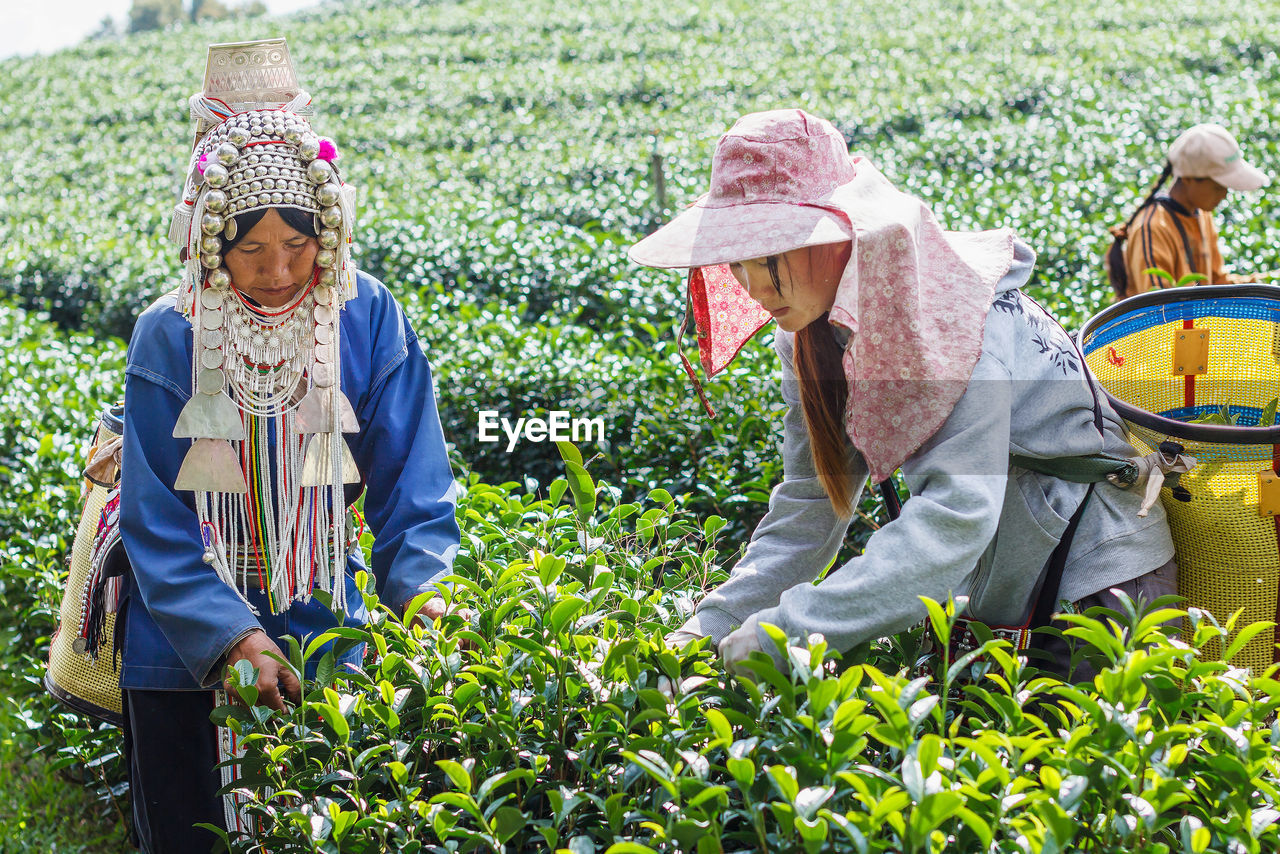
x,y
703,236
1241,176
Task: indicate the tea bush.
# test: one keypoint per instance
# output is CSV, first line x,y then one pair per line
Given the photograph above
x,y
543,724
53,387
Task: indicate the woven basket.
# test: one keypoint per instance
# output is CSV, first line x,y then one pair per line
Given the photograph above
x,y
1169,356
85,683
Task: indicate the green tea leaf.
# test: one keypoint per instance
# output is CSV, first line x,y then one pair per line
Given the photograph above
x,y
569,453
583,489
459,775
1268,416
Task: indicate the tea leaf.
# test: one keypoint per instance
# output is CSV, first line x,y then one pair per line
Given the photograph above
x,y
1268,416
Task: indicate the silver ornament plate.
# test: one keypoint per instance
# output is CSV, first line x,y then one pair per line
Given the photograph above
x,y
210,381
209,416
323,375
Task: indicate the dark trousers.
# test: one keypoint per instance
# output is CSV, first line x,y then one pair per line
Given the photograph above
x,y
173,753
1057,651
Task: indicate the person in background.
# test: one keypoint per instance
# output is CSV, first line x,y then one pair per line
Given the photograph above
x,y
1174,231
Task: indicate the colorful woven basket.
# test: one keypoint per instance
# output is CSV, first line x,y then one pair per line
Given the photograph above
x,y
83,669
1170,356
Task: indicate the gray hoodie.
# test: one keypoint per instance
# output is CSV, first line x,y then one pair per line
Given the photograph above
x,y
974,526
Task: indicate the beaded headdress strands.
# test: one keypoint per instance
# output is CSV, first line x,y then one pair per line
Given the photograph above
x,y
268,459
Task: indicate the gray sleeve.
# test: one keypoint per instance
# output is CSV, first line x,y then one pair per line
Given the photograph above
x,y
797,538
957,481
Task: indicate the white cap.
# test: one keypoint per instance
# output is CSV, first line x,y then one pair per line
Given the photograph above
x,y
1210,151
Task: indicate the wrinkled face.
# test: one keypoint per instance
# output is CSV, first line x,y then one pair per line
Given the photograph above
x,y
273,262
1205,193
806,284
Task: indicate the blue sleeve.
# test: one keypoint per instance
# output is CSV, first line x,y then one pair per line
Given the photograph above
x,y
410,502
199,615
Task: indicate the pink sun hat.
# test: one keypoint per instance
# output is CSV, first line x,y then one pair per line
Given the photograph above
x,y
913,296
770,176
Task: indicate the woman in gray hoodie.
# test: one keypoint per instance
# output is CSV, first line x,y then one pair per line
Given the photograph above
x,y
902,346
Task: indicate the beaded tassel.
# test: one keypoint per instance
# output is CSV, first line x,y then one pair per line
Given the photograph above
x,y
284,530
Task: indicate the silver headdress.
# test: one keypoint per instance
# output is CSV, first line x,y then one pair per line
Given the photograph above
x,y
268,460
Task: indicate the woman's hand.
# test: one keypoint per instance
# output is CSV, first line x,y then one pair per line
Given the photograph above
x,y
738,645
681,638
437,608
276,682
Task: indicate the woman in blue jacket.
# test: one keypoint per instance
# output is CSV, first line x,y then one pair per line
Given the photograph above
x,y
261,396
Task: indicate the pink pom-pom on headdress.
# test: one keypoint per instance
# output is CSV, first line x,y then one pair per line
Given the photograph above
x,y
328,151
203,162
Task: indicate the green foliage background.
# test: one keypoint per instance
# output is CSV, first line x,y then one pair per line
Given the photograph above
x,y
503,150
503,155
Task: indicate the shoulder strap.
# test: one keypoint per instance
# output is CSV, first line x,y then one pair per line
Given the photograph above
x,y
1173,208
1047,600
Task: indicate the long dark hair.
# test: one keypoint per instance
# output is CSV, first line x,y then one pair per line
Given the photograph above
x,y
303,222
1117,271
824,392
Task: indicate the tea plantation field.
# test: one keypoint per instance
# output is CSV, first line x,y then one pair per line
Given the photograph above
x,y
505,156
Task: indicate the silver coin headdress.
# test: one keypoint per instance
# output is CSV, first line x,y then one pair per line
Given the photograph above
x,y
268,461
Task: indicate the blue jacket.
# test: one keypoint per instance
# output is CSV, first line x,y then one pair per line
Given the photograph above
x,y
181,619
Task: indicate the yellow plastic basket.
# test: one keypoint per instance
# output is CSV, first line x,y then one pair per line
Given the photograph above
x,y
1170,356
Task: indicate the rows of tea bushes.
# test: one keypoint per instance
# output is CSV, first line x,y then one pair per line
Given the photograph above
x,y
505,165
504,150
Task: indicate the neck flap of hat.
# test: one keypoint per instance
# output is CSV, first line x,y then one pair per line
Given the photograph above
x,y
914,298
